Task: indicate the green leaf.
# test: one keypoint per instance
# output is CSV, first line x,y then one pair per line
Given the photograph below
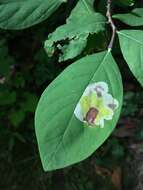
x,y
75,32
131,42
19,14
62,138
134,18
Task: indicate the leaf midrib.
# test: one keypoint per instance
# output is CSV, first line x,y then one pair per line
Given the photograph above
x,y
85,4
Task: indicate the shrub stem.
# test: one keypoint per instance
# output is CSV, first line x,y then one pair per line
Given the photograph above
x,y
111,22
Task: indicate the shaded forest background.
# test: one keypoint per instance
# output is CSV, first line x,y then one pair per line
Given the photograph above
x,y
25,71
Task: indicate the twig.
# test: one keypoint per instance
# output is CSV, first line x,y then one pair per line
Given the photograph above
x,y
111,22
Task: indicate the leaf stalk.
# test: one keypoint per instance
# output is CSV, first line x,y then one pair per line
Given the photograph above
x,y
111,22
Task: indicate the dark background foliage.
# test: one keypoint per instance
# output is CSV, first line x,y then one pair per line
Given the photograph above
x,y
25,71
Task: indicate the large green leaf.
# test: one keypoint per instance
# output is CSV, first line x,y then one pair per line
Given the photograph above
x,y
131,42
135,18
19,14
82,22
62,138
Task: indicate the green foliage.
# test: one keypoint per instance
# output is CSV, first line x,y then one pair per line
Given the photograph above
x,y
57,126
131,43
19,14
134,18
72,119
74,33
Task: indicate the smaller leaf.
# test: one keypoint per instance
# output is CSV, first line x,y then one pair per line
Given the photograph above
x,y
75,32
131,42
135,18
76,45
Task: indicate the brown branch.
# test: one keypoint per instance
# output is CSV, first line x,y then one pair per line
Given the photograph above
x,y
111,22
